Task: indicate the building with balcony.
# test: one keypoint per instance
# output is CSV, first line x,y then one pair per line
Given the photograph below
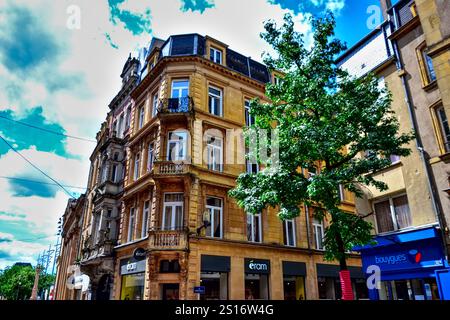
x,y
179,229
69,254
410,218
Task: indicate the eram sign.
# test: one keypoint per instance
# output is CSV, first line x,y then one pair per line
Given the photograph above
x,y
257,266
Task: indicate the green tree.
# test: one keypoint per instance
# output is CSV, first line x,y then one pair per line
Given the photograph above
x,y
340,126
16,282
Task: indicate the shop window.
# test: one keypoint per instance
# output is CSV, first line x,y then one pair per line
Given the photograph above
x,y
254,227
318,234
294,288
329,288
256,286
214,207
392,214
289,233
444,127
413,289
360,289
177,146
215,101
214,150
132,287
170,291
169,266
173,211
215,55
426,65
216,285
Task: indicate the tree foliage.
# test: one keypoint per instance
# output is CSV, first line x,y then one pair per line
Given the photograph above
x,y
16,282
326,121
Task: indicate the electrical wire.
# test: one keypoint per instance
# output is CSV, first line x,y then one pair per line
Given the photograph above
x,y
36,167
47,130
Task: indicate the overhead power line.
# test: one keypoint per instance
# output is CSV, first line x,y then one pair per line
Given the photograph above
x,y
40,182
47,130
36,167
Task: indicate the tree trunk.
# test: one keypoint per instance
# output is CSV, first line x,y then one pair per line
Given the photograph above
x,y
344,274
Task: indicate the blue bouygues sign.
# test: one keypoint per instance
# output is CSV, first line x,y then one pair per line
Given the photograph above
x,y
424,254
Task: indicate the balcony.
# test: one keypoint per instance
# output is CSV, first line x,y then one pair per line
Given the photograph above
x,y
184,105
168,239
170,168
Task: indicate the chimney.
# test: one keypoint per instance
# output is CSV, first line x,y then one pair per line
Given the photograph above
x,y
385,5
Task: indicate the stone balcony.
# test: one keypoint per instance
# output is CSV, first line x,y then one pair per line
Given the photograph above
x,y
170,168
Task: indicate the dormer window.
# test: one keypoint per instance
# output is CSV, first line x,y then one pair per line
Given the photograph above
x,y
215,55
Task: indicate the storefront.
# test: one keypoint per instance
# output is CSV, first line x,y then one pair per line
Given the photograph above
x,y
330,286
407,263
132,273
214,277
257,273
294,274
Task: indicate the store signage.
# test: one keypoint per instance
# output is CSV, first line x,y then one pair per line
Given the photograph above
x,y
140,254
132,265
413,256
257,266
200,289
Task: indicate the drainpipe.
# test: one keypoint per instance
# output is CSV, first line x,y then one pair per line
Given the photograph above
x,y
423,154
307,227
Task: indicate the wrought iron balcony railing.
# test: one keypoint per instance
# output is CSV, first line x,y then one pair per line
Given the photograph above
x,y
176,105
168,239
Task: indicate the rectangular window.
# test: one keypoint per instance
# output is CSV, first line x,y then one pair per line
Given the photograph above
x,y
137,162
150,156
128,118
131,225
318,234
215,55
155,105
426,65
145,216
294,288
177,145
114,173
254,227
214,149
429,67
249,119
214,207
289,232
215,101
172,218
121,126
179,101
132,286
444,127
392,214
141,117
277,80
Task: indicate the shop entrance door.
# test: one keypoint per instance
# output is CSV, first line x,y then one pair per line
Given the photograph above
x,y
170,291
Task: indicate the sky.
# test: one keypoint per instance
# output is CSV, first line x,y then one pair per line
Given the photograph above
x,y
60,65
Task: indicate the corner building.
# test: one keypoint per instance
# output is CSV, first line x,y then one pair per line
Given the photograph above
x,y
179,229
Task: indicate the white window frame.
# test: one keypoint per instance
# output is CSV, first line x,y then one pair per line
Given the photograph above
x,y
216,53
131,224
155,104
288,237
254,217
137,164
145,217
177,143
150,156
179,89
318,225
392,209
211,217
249,119
141,119
212,99
445,140
210,148
173,205
121,124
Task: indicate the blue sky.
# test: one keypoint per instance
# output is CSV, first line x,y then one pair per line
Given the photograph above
x,y
61,78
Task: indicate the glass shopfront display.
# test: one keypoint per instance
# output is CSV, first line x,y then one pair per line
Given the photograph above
x,y
214,277
329,283
257,273
294,274
132,274
411,289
